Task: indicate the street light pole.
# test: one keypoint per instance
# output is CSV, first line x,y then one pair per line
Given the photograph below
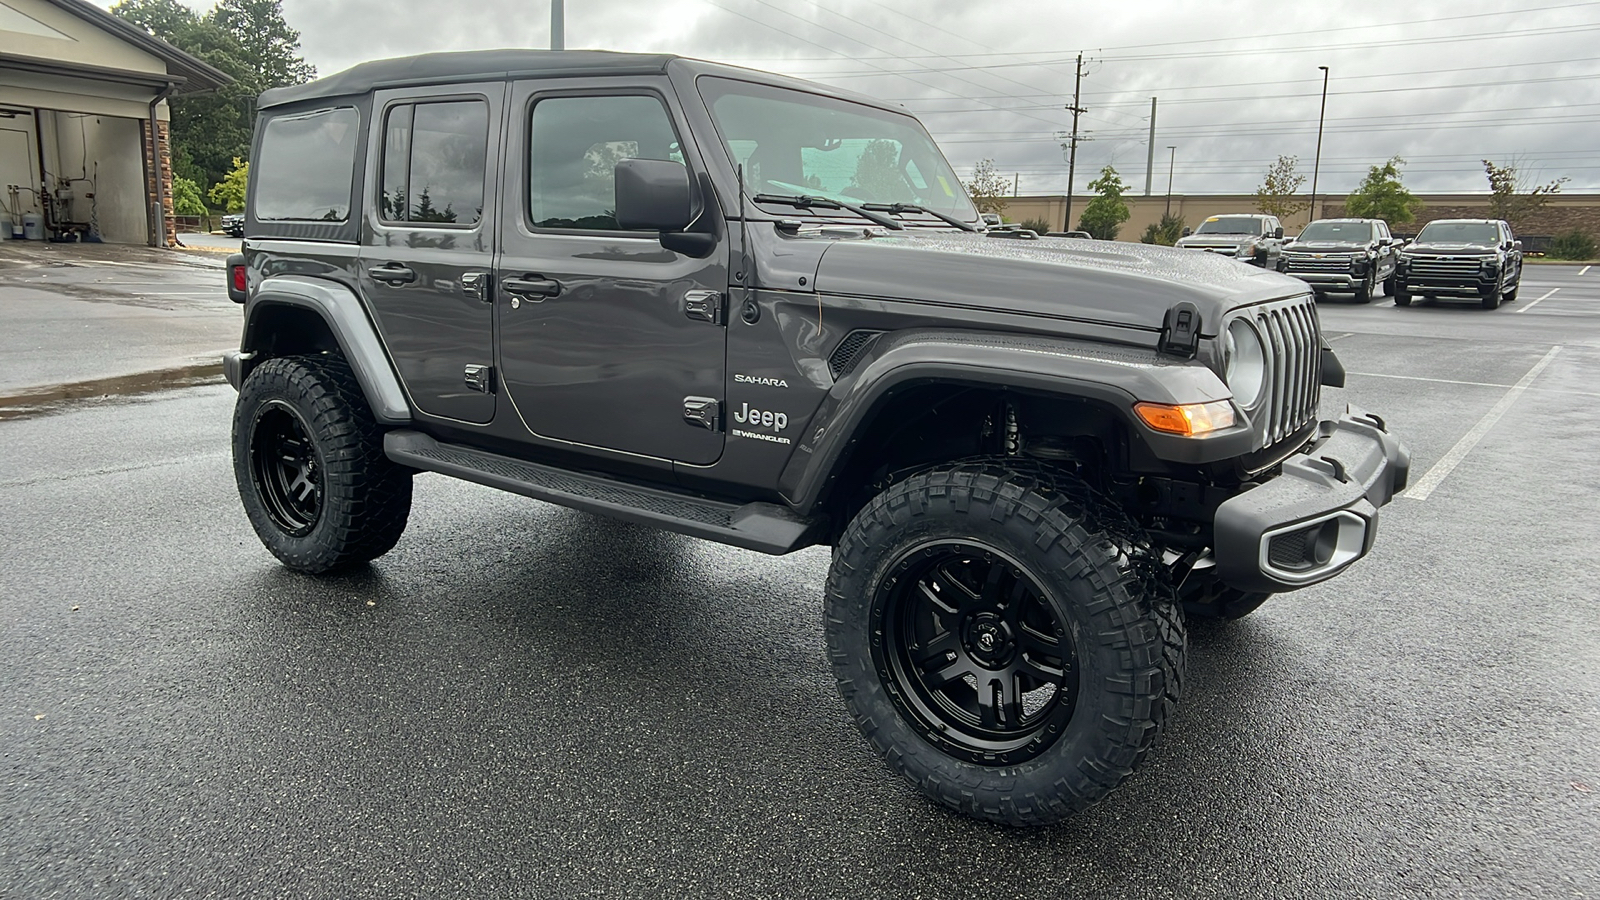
x,y
1316,167
1172,156
558,27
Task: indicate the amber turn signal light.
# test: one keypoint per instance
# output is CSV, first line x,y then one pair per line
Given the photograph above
x,y
1187,419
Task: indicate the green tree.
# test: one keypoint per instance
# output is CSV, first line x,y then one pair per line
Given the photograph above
x,y
1573,244
1513,197
877,177
1382,196
1165,232
987,188
229,193
258,26
1104,215
186,198
1275,196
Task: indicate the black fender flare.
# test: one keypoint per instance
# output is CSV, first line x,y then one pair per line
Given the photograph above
x,y
341,310
1117,377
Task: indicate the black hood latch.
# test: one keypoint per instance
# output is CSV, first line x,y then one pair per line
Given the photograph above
x,y
1180,333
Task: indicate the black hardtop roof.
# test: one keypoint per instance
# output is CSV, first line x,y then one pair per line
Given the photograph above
x,y
492,65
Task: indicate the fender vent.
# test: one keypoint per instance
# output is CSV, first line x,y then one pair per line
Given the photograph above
x,y
849,352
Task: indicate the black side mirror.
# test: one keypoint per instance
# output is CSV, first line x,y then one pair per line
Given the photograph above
x,y
653,195
1278,232
1187,231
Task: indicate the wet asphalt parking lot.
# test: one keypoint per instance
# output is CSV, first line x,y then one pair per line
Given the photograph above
x,y
522,700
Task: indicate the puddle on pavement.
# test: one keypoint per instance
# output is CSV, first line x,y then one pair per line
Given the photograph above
x,y
44,401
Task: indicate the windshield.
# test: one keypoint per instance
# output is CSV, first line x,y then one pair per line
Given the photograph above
x,y
791,142
1459,233
1348,232
1230,225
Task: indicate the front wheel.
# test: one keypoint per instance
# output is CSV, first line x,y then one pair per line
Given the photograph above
x,y
309,461
1401,298
999,644
1365,288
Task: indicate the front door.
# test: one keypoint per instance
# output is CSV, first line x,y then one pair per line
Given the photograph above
x,y
604,339
428,243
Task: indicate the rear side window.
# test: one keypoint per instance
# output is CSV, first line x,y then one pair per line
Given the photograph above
x,y
575,146
307,166
434,161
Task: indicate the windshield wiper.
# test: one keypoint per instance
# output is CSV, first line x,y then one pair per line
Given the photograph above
x,y
804,201
895,209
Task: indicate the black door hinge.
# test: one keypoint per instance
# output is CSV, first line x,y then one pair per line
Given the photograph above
x,y
704,412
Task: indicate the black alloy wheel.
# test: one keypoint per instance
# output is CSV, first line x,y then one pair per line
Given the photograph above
x,y
285,468
1364,290
973,652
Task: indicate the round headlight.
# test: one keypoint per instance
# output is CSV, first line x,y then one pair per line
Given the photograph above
x,y
1245,368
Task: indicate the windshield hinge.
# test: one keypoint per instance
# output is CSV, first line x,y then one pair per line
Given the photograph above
x,y
1180,333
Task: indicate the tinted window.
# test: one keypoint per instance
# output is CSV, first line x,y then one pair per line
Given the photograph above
x,y
793,142
1459,233
1351,232
1230,225
306,166
433,162
576,143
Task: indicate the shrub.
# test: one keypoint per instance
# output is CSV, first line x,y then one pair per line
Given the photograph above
x,y
1038,225
1573,244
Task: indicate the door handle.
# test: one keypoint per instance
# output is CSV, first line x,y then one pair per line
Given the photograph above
x,y
392,274
531,286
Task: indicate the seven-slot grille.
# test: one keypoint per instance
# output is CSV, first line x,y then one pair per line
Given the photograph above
x,y
1293,340
1433,267
1326,264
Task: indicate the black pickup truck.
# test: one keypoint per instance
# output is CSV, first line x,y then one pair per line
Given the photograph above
x,y
764,312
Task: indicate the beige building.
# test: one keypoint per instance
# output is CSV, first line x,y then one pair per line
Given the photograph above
x,y
1565,212
80,91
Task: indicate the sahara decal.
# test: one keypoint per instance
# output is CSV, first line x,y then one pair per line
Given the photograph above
x,y
760,379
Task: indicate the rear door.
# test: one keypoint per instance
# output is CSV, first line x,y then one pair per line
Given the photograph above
x,y
428,242
607,339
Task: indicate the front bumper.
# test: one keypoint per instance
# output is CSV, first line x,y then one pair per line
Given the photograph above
x,y
1319,516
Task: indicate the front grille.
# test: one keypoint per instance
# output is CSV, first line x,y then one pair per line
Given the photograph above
x,y
1339,264
1443,267
1294,365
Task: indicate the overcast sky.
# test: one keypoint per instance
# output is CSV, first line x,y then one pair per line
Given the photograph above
x,y
1238,84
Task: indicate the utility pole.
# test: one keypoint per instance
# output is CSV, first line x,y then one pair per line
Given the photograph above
x,y
1072,147
1150,156
1172,156
1016,179
558,25
1311,212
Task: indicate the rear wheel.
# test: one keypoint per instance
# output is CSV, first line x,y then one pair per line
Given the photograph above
x,y
1388,285
1001,641
309,462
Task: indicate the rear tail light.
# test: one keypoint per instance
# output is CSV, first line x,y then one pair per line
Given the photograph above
x,y
238,278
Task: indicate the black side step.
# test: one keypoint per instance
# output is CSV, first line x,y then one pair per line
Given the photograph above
x,y
767,527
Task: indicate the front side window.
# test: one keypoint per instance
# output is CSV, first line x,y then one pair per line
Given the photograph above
x,y
434,160
574,146
1230,225
792,142
306,166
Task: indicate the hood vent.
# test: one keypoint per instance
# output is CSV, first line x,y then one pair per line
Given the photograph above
x,y
849,352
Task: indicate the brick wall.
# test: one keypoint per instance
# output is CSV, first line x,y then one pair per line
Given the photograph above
x,y
164,155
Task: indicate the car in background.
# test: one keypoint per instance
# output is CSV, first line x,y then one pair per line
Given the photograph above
x,y
1255,239
1354,255
1479,258
233,225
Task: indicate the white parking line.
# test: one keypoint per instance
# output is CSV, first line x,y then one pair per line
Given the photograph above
x,y
1492,384
1583,271
1536,302
1429,482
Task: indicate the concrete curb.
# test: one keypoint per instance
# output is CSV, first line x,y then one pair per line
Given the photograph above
x,y
37,400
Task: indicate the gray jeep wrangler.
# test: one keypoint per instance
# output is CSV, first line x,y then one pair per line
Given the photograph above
x,y
764,312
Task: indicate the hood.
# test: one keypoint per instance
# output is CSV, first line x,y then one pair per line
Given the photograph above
x,y
1326,247
1099,281
1218,239
1450,248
